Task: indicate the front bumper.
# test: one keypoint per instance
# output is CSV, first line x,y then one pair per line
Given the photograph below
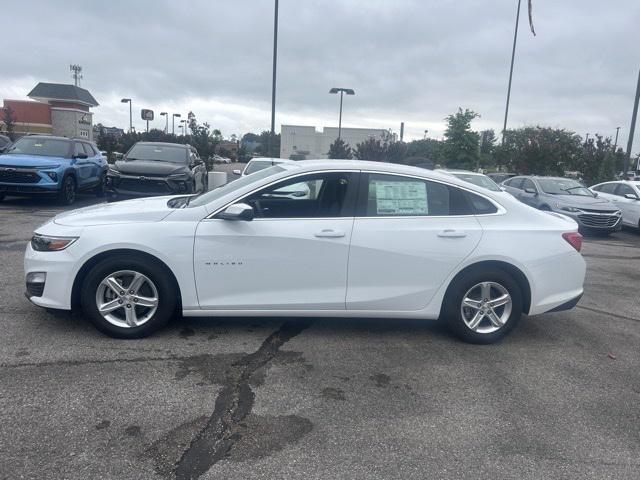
x,y
55,291
29,181
141,186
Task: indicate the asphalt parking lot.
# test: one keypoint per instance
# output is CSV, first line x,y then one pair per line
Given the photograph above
x,y
319,399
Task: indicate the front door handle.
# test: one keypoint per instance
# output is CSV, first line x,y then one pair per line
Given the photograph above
x,y
450,233
328,233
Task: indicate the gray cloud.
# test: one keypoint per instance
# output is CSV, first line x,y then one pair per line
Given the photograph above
x,y
411,60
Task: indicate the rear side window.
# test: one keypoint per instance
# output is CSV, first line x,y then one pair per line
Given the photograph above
x,y
88,150
397,196
607,188
515,182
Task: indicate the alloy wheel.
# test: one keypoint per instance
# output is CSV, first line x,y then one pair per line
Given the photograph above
x,y
127,299
486,307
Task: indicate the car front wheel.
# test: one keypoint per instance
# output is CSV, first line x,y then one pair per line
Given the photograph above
x,y
126,297
483,306
67,194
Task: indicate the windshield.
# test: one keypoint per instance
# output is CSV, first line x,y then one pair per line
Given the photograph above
x,y
157,153
479,180
256,165
563,186
232,186
45,147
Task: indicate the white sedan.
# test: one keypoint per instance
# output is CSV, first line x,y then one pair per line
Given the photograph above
x,y
371,240
625,195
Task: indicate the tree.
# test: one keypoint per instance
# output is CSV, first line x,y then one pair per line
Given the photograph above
x,y
339,149
597,161
426,151
9,120
269,146
371,149
461,143
539,150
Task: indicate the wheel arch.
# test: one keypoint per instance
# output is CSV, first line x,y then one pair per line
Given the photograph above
x,y
517,274
91,262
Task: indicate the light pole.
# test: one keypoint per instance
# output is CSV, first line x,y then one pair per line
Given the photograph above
x,y
342,91
425,134
173,123
166,117
128,100
632,130
184,127
615,144
273,80
513,56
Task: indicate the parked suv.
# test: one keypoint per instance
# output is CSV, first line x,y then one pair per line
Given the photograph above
x,y
156,168
568,197
46,165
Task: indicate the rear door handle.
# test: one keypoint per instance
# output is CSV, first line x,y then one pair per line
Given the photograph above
x,y
328,233
450,233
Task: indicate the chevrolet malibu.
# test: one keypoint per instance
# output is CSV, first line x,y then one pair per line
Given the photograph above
x,y
370,240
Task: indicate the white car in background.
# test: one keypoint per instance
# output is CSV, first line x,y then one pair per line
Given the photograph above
x,y
625,194
254,165
374,240
477,179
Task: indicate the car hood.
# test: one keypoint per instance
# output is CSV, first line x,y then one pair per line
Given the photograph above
x,y
30,161
138,210
584,201
148,167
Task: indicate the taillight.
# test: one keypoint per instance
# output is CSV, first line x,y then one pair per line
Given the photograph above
x,y
574,239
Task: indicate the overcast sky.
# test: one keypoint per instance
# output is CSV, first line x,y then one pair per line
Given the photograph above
x,y
408,60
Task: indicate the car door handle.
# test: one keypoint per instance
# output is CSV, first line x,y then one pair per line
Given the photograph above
x,y
328,233
449,233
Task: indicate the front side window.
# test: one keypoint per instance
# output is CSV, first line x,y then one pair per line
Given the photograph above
x,y
88,150
46,147
77,149
396,196
320,195
625,190
528,183
515,182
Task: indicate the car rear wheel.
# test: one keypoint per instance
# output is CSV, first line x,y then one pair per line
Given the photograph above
x,y
125,297
483,306
67,194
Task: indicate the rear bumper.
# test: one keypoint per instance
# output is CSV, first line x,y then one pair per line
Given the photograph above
x,y
567,305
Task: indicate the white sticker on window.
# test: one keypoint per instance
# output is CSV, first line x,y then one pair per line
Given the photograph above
x,y
401,198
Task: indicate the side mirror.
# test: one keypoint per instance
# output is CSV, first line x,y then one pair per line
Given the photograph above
x,y
81,155
631,196
237,172
530,190
237,211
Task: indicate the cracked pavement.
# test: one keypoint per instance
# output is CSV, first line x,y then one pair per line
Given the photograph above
x,y
321,398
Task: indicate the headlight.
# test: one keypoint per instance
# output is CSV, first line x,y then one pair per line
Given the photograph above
x,y
44,243
566,208
178,176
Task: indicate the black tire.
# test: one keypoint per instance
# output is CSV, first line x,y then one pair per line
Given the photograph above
x,y
167,296
67,194
101,188
452,306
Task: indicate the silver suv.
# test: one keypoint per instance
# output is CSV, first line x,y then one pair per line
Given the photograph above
x,y
568,197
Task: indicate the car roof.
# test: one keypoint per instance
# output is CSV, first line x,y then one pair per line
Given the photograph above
x,y
382,167
454,171
270,159
167,144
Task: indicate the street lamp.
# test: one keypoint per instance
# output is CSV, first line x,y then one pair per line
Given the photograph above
x,y
342,91
173,123
184,127
166,127
128,100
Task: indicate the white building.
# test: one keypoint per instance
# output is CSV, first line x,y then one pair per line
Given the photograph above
x,y
308,142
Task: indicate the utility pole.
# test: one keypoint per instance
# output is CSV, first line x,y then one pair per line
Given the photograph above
x,y
76,73
615,144
632,130
513,56
273,80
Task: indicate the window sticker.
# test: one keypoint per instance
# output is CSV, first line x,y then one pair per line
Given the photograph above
x,y
401,198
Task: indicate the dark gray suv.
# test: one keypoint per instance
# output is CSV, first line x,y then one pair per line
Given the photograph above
x,y
568,197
